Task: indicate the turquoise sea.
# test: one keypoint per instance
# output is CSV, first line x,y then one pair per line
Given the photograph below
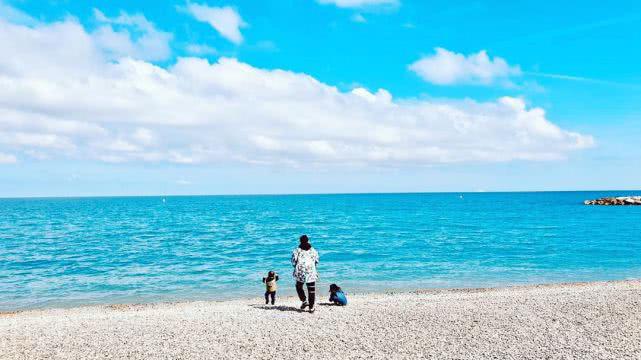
x,y
59,252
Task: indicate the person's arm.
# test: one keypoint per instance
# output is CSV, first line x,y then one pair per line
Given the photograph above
x,y
316,257
294,258
276,277
263,279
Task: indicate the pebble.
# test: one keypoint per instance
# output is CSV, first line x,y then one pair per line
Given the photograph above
x,y
565,321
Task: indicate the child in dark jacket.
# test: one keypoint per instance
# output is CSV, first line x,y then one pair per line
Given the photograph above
x,y
336,295
270,287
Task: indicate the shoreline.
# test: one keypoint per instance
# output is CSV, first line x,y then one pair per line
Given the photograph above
x,y
570,320
292,296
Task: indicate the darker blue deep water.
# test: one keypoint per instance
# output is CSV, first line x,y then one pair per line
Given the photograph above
x,y
64,252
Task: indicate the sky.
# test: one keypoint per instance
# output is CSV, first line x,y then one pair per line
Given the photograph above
x,y
317,96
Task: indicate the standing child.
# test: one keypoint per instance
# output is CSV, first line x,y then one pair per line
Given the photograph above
x,y
270,287
336,295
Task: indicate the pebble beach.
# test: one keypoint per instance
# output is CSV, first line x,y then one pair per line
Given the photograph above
x,y
600,320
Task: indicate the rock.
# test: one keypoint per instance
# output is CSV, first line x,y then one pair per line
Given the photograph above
x,y
620,200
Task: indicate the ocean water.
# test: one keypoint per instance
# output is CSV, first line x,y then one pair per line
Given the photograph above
x,y
62,252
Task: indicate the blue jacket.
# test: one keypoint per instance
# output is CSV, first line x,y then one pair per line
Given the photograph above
x,y
338,298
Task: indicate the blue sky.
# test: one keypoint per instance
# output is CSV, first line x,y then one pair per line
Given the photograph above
x,y
306,96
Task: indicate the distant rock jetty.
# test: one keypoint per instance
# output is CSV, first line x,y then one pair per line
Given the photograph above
x,y
622,200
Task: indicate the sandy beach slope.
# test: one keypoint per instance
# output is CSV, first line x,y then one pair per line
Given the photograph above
x,y
569,321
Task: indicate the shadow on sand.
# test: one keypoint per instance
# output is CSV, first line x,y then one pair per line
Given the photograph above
x,y
277,307
287,308
327,304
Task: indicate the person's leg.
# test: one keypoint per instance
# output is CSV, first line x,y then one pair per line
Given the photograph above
x,y
300,291
273,295
266,297
311,289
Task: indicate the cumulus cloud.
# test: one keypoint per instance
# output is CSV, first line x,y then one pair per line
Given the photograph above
x,y
131,35
448,68
225,20
359,3
75,102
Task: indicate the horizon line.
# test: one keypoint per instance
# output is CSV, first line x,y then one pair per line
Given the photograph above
x,y
310,194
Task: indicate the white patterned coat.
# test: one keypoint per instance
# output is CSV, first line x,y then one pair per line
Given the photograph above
x,y
304,262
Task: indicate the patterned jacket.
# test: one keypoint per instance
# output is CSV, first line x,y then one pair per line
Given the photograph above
x,y
304,262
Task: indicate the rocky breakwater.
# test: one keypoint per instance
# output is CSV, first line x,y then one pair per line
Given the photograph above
x,y
621,200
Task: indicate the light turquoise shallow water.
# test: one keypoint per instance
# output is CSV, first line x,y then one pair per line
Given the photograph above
x,y
64,252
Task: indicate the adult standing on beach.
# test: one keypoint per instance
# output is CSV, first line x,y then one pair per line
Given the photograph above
x,y
304,259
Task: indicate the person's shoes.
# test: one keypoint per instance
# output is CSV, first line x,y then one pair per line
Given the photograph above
x,y
266,302
305,304
311,310
273,303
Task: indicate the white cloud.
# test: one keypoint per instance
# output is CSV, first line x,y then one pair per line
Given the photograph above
x,y
358,18
447,68
200,50
19,139
225,20
359,3
131,35
14,15
144,136
7,159
80,104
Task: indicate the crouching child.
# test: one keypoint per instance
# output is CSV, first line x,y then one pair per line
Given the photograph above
x,y
336,295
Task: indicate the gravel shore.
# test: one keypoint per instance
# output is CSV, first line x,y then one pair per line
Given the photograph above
x,y
566,321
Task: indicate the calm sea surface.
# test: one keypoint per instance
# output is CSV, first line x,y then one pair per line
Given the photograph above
x,y
73,251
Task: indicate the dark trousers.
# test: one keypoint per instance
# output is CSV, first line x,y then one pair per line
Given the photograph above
x,y
271,294
311,290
